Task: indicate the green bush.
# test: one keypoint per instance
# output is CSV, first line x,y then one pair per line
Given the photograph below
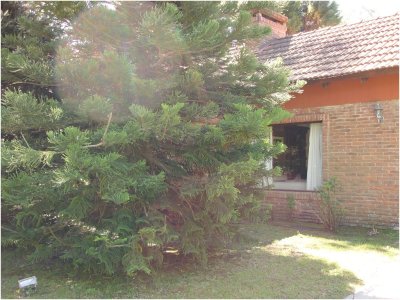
x,y
330,209
291,203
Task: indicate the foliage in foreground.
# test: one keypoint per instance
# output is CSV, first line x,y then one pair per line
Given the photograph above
x,y
130,131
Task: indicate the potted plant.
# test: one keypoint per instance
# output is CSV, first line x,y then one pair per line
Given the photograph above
x,y
291,163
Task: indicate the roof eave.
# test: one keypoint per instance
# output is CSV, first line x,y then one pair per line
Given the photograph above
x,y
387,69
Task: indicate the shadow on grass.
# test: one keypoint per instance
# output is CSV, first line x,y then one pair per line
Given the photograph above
x,y
248,268
356,236
256,273
55,281
385,241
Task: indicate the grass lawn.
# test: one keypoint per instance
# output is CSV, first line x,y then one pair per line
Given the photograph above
x,y
270,261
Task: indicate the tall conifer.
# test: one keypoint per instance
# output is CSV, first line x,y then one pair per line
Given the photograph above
x,y
133,129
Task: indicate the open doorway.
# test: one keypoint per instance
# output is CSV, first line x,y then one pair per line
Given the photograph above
x,y
301,164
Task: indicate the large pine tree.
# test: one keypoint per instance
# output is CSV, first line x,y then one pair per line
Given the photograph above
x,y
310,15
132,129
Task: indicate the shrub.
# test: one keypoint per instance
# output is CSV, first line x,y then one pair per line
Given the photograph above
x,y
330,209
291,203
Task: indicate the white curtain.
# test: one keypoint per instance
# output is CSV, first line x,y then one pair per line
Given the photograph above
x,y
314,169
267,181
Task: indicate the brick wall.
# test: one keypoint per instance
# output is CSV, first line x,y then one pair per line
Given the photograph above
x,y
278,29
304,210
362,154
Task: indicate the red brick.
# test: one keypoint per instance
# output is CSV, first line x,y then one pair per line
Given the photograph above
x,y
362,154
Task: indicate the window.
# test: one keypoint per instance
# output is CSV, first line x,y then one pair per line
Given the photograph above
x,y
301,163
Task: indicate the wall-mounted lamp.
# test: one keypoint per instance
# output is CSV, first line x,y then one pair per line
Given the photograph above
x,y
378,112
325,84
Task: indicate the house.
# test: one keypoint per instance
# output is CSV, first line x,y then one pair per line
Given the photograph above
x,y
345,124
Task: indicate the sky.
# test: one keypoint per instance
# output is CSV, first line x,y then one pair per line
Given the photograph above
x,y
356,11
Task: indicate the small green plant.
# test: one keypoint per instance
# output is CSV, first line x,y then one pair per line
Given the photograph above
x,y
291,162
28,291
267,212
291,203
257,214
330,210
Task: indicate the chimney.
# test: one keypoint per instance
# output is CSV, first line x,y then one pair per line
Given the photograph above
x,y
277,22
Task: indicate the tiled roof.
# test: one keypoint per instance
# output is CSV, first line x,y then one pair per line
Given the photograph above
x,y
338,50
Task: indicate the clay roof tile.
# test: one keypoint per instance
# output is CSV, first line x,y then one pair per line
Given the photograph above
x,y
338,50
